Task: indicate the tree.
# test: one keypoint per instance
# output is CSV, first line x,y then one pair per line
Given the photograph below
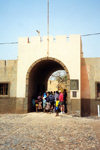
x,y
61,77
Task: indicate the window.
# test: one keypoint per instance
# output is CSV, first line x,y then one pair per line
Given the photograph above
x,y
3,88
74,94
74,84
98,90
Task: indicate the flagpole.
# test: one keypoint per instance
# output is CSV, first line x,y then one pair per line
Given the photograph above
x,y
48,28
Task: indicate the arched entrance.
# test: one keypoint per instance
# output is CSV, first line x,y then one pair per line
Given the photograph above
x,y
38,75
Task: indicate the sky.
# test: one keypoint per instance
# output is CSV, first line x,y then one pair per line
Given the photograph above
x,y
21,18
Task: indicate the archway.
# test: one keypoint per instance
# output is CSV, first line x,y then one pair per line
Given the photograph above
x,y
38,75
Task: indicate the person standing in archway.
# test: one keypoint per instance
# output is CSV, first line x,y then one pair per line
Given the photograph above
x,y
61,99
65,100
51,99
33,104
44,101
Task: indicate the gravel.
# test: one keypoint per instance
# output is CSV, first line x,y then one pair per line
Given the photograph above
x,y
45,131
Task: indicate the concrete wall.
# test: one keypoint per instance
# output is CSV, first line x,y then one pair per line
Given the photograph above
x,y
8,74
52,85
90,74
67,51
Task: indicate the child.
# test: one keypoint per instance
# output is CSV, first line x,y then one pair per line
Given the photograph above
x,y
39,102
36,105
57,107
40,106
47,107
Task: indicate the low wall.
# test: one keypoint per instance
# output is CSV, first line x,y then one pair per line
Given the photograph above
x,y
13,105
19,105
7,105
89,107
75,107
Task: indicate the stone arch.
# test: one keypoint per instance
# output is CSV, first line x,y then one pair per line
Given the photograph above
x,y
58,64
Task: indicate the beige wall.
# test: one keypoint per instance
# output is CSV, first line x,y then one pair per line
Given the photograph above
x,y
90,74
52,85
67,51
8,74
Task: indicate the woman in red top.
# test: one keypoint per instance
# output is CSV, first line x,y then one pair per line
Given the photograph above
x,y
61,99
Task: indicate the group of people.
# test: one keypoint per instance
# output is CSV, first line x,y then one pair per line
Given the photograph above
x,y
51,102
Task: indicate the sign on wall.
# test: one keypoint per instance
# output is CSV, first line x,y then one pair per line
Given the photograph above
x,y
74,84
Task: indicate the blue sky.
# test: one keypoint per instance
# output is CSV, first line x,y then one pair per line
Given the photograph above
x,y
19,18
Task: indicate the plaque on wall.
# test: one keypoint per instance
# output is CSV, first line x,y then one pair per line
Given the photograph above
x,y
74,84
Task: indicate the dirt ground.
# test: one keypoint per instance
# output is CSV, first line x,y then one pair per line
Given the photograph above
x,y
45,131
